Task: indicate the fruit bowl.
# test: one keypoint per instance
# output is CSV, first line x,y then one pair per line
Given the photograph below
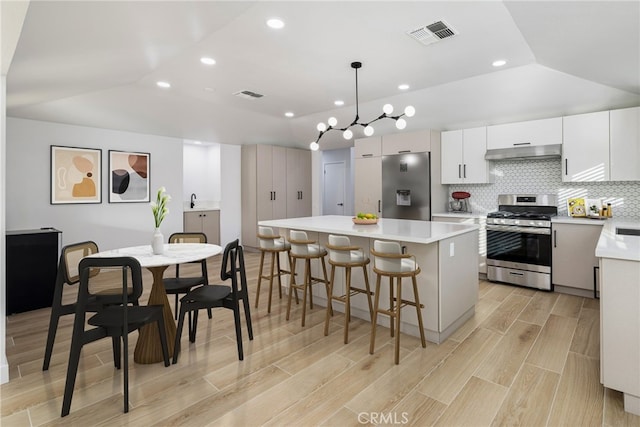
x,y
364,220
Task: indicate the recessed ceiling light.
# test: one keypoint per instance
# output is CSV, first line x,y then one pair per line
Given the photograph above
x,y
164,85
403,86
289,114
207,61
197,142
275,23
208,89
339,103
499,63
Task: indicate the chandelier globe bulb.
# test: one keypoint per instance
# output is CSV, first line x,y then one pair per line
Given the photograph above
x,y
314,146
387,108
368,130
401,124
321,127
332,121
347,134
409,111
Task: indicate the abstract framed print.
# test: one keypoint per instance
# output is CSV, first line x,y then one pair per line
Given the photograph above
x,y
128,177
76,175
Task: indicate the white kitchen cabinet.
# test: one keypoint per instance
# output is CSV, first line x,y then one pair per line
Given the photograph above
x,y
368,185
207,222
529,133
585,147
368,147
620,329
573,256
624,145
479,220
462,157
298,183
264,185
406,142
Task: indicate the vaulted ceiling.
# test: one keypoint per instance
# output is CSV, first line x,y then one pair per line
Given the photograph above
x,y
97,63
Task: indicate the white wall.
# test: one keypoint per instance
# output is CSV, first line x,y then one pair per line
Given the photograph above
x,y
110,225
201,165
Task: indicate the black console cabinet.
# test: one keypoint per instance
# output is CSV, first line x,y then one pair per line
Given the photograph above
x,y
32,264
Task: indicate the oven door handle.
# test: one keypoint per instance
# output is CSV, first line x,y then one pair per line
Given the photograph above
x,y
517,229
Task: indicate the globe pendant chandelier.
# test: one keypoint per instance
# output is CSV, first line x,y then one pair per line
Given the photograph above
x,y
347,133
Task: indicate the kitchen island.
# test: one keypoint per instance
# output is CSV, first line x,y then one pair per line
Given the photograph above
x,y
447,254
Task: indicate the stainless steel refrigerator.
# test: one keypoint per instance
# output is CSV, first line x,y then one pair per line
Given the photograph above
x,y
406,185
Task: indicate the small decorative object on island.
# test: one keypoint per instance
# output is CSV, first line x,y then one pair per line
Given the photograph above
x,y
365,218
160,210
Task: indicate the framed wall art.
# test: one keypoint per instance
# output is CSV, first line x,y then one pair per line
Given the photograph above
x,y
76,175
128,177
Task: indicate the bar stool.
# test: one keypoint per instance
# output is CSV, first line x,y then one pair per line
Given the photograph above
x,y
305,249
390,262
272,244
342,254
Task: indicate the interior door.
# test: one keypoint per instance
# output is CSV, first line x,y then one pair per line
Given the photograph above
x,y
333,200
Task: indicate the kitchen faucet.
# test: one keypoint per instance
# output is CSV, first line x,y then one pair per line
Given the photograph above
x,y
193,197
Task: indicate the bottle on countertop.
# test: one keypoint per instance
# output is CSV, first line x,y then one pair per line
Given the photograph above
x,y
605,213
609,211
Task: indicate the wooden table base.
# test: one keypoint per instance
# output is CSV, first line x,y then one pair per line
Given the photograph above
x,y
148,348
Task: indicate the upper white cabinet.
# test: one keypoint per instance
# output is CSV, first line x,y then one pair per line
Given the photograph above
x,y
368,147
585,148
462,158
625,144
409,142
534,132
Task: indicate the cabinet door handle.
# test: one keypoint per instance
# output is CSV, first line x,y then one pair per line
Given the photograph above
x,y
459,170
566,166
368,155
555,238
404,151
464,169
521,143
274,195
595,282
379,211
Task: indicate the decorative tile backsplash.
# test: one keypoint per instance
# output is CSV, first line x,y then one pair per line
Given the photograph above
x,y
545,177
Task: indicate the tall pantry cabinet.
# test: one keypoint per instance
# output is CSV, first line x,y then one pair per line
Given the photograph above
x,y
276,184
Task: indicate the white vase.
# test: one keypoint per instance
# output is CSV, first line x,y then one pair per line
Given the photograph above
x,y
157,243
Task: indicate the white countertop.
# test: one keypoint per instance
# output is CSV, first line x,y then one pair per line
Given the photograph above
x,y
404,230
618,246
204,205
174,253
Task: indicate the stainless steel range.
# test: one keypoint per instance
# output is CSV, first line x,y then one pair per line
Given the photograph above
x,y
519,240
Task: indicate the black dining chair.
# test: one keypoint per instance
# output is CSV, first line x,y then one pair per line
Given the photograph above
x,y
181,284
213,296
70,257
115,321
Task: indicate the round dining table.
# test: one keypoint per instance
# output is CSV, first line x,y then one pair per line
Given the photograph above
x,y
148,348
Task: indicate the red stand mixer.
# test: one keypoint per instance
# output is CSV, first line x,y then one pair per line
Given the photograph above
x,y
460,202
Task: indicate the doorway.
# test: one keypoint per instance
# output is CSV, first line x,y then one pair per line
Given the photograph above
x,y
333,189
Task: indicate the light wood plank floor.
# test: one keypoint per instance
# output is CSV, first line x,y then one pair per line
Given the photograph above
x,y
525,358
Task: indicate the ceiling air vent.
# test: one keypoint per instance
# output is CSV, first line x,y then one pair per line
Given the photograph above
x,y
433,32
247,94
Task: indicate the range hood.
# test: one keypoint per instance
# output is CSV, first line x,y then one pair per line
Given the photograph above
x,y
525,152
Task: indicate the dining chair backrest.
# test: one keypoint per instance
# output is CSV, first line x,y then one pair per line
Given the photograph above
x,y
131,279
70,259
233,266
338,255
190,237
392,265
299,249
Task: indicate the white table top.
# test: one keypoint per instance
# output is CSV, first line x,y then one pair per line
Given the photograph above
x,y
389,229
618,246
174,253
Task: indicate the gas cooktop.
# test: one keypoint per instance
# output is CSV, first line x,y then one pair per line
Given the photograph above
x,y
521,215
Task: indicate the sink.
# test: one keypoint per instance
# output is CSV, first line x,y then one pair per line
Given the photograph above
x,y
628,231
